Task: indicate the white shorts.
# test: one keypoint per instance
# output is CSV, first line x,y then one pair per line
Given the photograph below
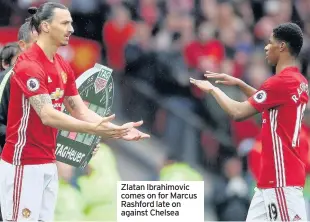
x,y
28,192
278,204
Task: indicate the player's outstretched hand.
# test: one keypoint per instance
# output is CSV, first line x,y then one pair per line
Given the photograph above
x,y
106,129
222,78
134,134
204,85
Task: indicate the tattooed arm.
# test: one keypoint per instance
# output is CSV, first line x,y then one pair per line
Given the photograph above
x,y
43,106
77,108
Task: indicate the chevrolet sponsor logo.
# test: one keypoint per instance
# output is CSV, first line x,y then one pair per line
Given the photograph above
x,y
57,94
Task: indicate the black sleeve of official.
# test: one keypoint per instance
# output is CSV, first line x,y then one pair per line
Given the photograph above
x,y
4,106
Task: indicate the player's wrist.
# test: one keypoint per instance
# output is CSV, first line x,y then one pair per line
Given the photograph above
x,y
239,83
213,90
90,128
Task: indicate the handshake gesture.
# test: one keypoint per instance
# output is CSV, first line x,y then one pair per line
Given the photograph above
x,y
127,131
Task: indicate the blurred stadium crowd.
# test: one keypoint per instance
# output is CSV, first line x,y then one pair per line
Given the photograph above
x,y
154,46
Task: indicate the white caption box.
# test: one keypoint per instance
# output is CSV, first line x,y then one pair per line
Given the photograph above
x,y
162,201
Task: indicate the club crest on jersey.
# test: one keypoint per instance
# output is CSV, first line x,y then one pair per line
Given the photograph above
x,y
26,213
64,77
33,84
260,96
57,94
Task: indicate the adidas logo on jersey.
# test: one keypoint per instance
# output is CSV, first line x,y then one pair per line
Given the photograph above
x,y
296,218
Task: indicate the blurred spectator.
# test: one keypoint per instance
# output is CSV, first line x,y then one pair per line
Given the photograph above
x,y
100,204
244,49
254,158
70,204
180,6
36,3
227,18
169,27
113,2
116,34
206,52
149,11
305,53
231,200
187,30
211,151
257,74
65,171
85,7
139,55
209,10
303,8
178,70
245,11
174,170
263,28
247,129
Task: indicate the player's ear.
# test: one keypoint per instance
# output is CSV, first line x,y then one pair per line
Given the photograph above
x,y
22,45
282,46
45,27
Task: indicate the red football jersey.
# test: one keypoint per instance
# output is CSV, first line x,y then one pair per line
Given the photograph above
x,y
254,155
28,141
282,99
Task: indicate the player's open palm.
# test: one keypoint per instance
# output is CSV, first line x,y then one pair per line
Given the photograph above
x,y
106,129
135,134
204,85
222,78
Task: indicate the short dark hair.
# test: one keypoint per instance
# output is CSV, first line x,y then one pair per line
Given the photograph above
x,y
292,35
8,52
45,12
24,32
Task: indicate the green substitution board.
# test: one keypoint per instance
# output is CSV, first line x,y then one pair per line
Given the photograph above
x,y
96,88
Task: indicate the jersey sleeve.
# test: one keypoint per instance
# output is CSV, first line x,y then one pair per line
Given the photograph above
x,y
30,77
270,94
71,89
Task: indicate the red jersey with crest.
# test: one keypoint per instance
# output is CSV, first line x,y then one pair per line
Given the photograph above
x,y
28,140
282,99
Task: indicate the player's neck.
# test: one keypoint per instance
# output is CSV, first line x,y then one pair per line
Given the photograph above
x,y
48,48
284,63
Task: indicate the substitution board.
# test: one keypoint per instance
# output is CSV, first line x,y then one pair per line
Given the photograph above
x,y
96,88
